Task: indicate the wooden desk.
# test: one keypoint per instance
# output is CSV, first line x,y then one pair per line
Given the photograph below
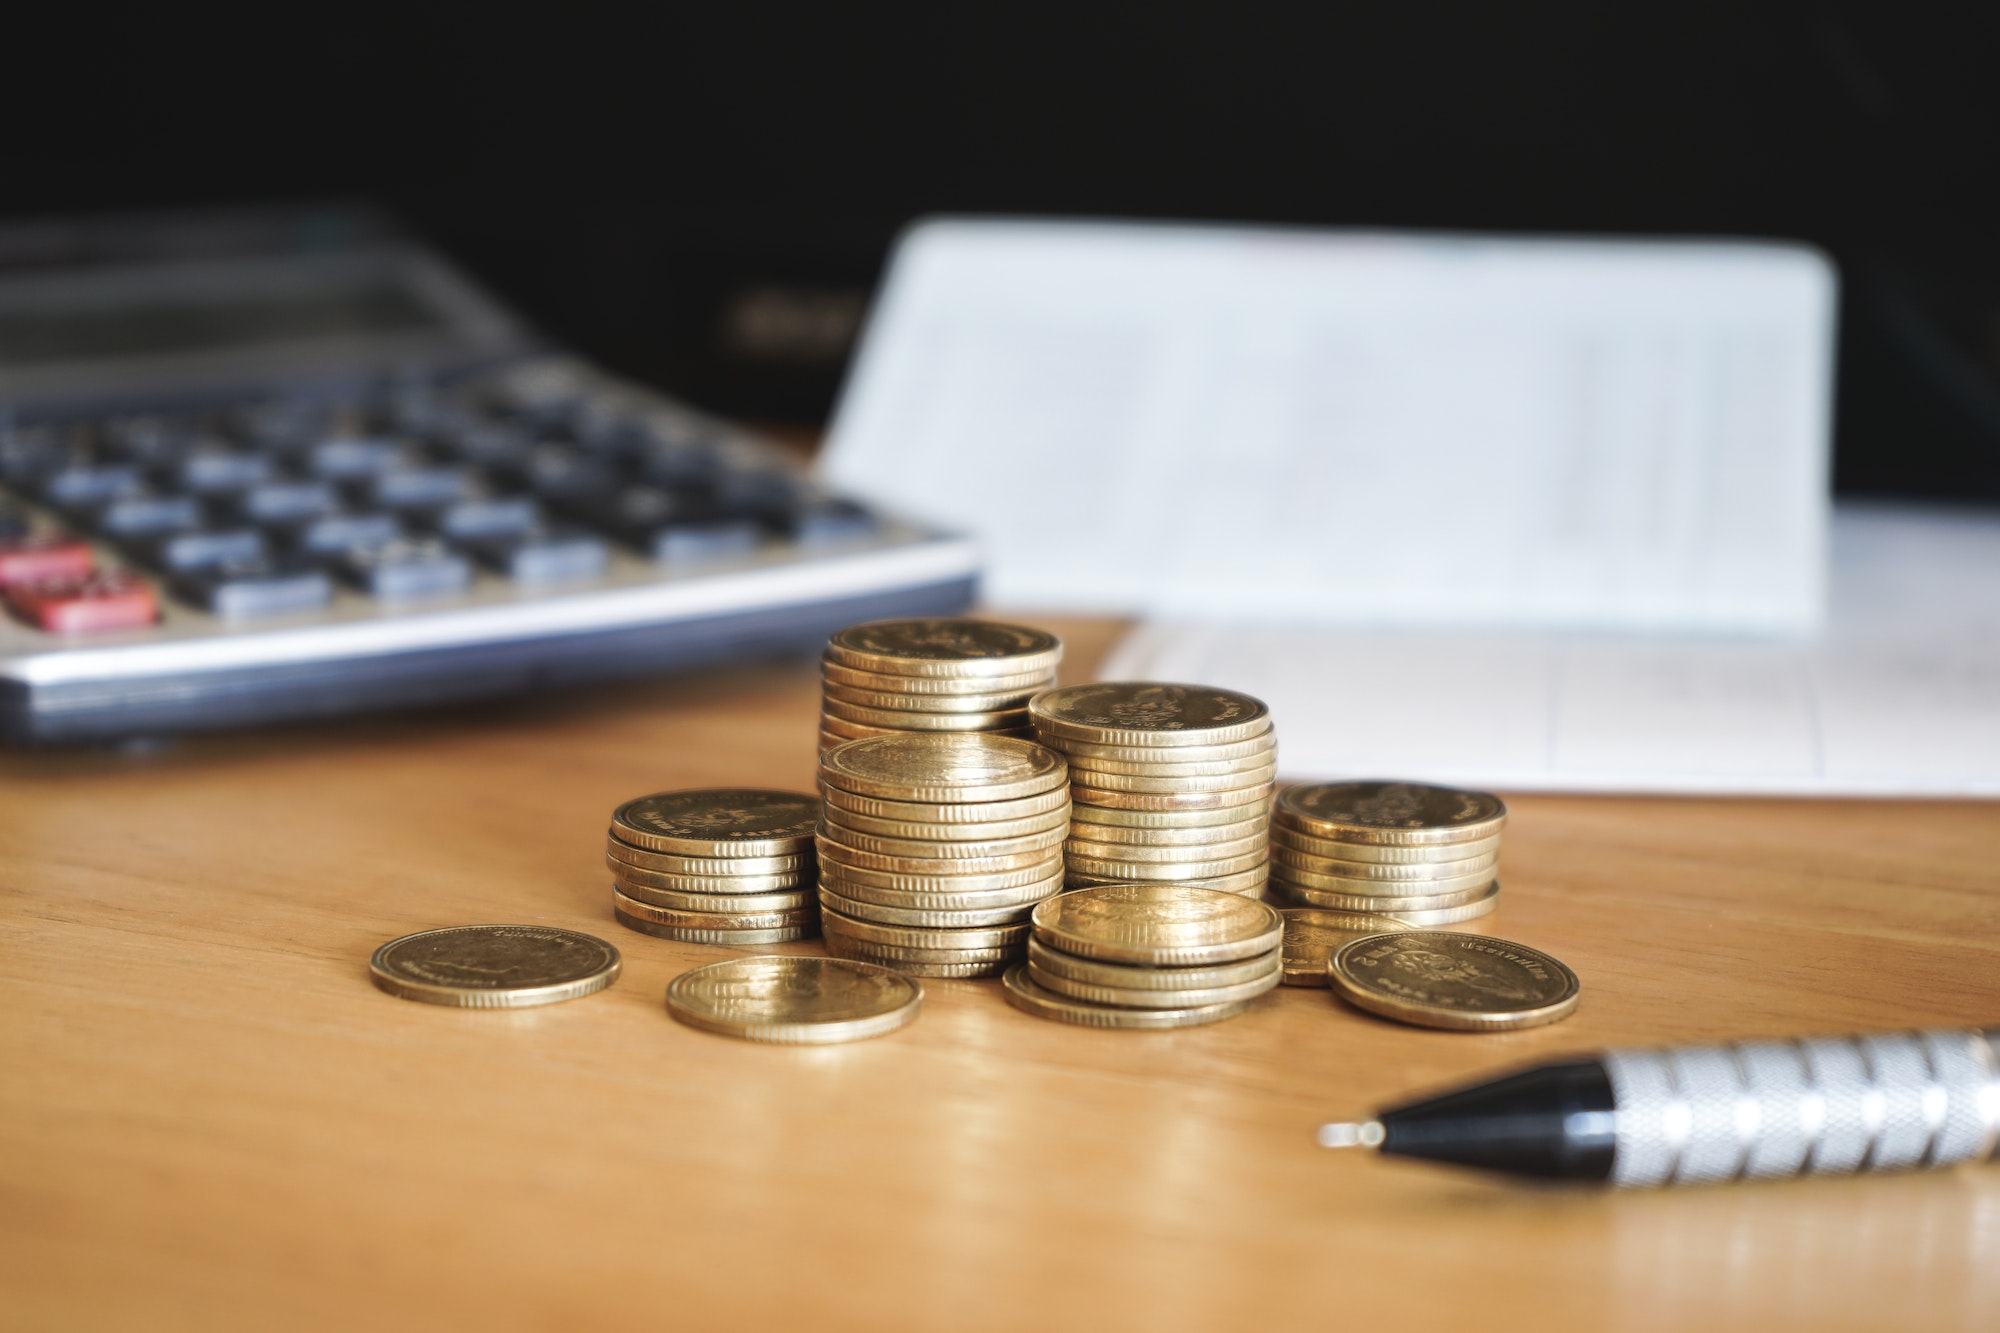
x,y
209,1118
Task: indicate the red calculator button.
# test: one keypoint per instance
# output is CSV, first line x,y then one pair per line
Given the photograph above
x,y
43,555
114,600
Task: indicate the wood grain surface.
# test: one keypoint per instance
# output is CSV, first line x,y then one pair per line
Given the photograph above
x,y
210,1119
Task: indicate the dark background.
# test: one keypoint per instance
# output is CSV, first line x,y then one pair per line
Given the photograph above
x,y
703,196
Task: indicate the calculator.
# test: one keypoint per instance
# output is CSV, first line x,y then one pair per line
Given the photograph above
x,y
278,465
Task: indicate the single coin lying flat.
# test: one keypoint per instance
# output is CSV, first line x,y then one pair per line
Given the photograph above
x,y
795,1001
1467,983
494,967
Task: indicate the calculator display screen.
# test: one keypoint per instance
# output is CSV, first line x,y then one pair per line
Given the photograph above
x,y
197,321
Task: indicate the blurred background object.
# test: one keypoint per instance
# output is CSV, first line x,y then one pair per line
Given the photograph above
x,y
702,196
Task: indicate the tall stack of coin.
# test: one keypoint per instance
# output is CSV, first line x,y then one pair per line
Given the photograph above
x,y
716,865
1426,856
1147,956
932,675
934,848
1168,783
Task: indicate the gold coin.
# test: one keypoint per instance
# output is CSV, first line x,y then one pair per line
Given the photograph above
x,y
1165,925
1136,852
926,703
1123,998
989,831
840,854
789,901
846,948
1118,768
1148,713
833,730
1416,875
1024,994
943,767
1466,983
1382,888
1109,836
940,900
932,918
1313,934
667,916
1161,870
1397,813
940,849
1420,918
1259,778
494,967
956,814
736,938
653,879
925,937
795,1001
1169,819
882,717
1249,882
1381,902
1153,754
706,865
1284,835
882,682
844,944
1258,796
915,883
718,822
945,646
1133,976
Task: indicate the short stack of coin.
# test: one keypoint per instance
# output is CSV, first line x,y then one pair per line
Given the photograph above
x,y
932,675
934,848
1168,783
1426,856
1147,956
717,865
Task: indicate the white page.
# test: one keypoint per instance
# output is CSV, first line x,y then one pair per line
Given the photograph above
x,y
1357,429
1898,695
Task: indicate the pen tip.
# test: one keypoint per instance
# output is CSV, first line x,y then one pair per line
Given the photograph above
x,y
1351,1134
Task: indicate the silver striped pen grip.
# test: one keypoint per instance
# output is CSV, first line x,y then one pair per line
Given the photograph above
x,y
1818,1106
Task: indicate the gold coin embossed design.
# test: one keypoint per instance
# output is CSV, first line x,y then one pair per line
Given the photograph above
x,y
1124,998
1403,813
956,814
943,767
1026,995
931,918
789,901
1465,983
730,938
1133,976
945,646
1313,935
705,865
718,822
667,916
1137,713
1161,924
1283,835
795,1001
882,682
494,967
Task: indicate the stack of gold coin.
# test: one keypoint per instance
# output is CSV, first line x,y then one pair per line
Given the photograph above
x,y
932,675
1426,856
1168,783
934,848
1147,956
715,865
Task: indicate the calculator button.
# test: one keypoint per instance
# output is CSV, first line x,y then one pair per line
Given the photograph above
x,y
287,501
245,589
184,551
87,485
422,567
489,516
829,522
420,487
43,555
145,513
110,600
212,470
344,458
698,540
331,534
544,555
